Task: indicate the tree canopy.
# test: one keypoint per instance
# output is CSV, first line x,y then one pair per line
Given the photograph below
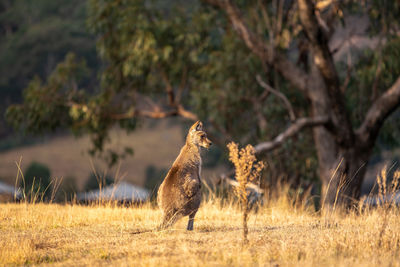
x,y
34,37
253,70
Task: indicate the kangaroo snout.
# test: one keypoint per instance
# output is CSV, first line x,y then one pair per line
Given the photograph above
x,y
209,143
206,143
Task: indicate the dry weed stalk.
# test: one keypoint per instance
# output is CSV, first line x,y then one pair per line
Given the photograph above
x,y
385,201
247,170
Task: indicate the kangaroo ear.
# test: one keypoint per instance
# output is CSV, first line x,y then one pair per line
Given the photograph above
x,y
198,126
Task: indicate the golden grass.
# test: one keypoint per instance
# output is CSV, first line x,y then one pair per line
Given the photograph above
x,y
279,234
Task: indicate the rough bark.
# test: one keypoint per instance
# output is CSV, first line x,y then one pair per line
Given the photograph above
x,y
323,138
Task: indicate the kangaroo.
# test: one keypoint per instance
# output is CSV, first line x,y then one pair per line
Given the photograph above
x,y
179,194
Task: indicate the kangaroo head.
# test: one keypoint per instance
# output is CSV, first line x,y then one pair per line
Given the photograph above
x,y
197,136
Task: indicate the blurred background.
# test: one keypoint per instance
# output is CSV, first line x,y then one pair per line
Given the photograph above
x,y
106,89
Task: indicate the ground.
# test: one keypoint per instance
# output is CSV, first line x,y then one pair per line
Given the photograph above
x,y
280,234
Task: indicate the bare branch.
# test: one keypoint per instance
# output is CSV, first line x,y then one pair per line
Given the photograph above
x,y
268,25
256,44
296,127
173,102
278,94
186,113
376,79
251,186
279,17
346,81
266,18
144,113
378,112
258,110
182,85
143,106
168,88
157,113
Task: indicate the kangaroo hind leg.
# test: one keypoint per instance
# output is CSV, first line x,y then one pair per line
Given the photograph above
x,y
191,221
169,219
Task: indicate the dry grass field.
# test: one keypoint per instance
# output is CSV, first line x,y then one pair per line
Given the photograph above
x,y
280,234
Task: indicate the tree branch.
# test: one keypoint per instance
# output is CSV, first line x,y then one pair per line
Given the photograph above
x,y
182,85
173,102
144,113
186,113
378,112
156,114
168,89
256,44
278,94
143,106
296,127
226,178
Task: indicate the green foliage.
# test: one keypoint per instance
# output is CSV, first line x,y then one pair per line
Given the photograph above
x,y
154,177
47,106
34,37
61,102
66,191
384,17
144,49
95,182
213,159
37,180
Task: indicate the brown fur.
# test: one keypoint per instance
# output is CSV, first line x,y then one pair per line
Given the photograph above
x,y
179,194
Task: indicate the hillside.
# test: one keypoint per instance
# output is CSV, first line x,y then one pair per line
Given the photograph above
x,y
154,145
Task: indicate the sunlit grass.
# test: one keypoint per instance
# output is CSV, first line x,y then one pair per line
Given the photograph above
x,y
279,233
286,231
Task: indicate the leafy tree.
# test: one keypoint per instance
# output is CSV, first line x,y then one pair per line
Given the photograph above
x,y
37,180
154,177
67,189
255,70
34,37
95,182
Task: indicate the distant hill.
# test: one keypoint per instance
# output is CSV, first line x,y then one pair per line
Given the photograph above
x,y
155,147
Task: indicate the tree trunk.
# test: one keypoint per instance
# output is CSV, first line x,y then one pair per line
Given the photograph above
x,y
341,167
342,178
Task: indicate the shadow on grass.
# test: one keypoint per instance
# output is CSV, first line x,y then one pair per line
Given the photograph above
x,y
210,229
231,229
